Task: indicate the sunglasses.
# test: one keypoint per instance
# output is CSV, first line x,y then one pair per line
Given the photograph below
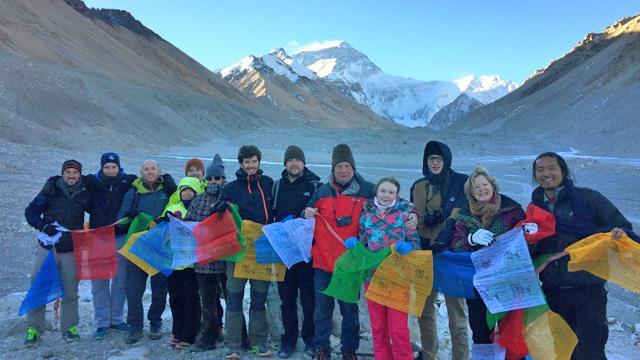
x,y
217,178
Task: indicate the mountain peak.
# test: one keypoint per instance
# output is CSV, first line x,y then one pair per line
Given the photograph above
x,y
113,17
318,46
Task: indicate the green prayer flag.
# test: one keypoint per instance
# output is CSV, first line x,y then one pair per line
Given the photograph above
x,y
139,223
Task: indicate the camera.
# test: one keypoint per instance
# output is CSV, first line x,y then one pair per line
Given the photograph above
x,y
433,218
344,221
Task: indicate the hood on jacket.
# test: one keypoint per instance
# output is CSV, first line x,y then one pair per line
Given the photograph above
x,y
436,147
241,175
143,188
191,182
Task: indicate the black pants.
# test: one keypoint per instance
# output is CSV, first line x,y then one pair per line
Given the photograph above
x,y
136,283
185,304
478,321
209,289
297,279
584,308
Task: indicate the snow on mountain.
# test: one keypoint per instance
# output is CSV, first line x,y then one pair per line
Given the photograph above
x,y
277,60
337,60
486,88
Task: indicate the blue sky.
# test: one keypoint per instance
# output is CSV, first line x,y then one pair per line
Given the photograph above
x,y
426,40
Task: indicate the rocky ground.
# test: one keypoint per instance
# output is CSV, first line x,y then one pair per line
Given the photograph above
x,y
24,168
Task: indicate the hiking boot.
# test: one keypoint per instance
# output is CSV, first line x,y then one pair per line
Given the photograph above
x,y
134,337
122,327
71,334
285,352
32,336
100,333
323,355
261,351
155,333
349,355
201,346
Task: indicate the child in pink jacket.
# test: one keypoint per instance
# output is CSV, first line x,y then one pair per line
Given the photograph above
x,y
381,225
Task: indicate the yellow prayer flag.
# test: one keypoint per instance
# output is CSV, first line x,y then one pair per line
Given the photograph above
x,y
125,251
617,261
248,268
403,282
549,337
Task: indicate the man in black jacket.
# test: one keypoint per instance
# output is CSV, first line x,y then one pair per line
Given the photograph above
x,y
291,195
251,192
62,201
107,188
579,297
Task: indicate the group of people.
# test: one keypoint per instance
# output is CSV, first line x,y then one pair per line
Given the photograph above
x,y
446,210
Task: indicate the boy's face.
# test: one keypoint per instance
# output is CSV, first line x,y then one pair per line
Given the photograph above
x,y
187,194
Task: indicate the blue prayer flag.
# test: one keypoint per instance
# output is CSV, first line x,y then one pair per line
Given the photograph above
x,y
453,274
46,287
154,247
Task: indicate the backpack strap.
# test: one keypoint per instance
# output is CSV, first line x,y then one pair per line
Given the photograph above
x,y
274,191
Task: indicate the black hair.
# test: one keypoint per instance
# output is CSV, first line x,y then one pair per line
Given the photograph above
x,y
248,151
566,173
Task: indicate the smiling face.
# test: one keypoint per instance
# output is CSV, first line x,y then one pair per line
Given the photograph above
x,y
548,173
435,163
195,172
110,169
71,176
294,167
150,171
250,165
187,194
482,189
386,193
343,172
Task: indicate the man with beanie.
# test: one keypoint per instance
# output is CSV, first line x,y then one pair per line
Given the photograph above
x,y
337,206
63,200
251,192
437,196
107,188
291,195
149,194
209,275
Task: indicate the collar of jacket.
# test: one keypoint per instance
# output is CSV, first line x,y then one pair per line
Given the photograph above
x,y
142,187
306,177
353,187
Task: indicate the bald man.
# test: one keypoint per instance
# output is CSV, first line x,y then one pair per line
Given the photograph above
x,y
149,194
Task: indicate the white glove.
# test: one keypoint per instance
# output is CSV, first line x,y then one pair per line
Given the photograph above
x,y
530,228
481,237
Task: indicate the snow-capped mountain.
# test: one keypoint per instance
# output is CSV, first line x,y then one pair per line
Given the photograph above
x,y
406,101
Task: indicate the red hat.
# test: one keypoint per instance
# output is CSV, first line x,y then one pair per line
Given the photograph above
x,y
72,164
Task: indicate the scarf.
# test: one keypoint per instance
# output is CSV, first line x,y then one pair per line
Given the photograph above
x,y
69,190
384,208
487,210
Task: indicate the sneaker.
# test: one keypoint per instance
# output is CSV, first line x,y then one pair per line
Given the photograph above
x,y
323,355
155,333
134,337
122,327
349,355
100,333
32,336
309,351
71,334
261,351
285,353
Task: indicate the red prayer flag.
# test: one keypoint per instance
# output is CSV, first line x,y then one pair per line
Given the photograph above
x,y
95,253
216,237
511,330
545,220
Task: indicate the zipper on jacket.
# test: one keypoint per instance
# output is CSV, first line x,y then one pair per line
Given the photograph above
x,y
248,184
264,204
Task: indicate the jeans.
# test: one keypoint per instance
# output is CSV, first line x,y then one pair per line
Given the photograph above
x,y
323,313
297,279
109,296
136,280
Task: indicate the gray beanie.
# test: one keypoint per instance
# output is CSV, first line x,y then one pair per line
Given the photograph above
x,y
294,152
216,168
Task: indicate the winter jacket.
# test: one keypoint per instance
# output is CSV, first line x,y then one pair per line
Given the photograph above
x,y
53,204
429,196
253,196
175,197
199,210
291,198
332,206
509,214
187,182
598,215
107,194
378,231
143,198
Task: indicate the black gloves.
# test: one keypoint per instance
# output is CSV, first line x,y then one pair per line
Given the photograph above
x,y
433,218
219,206
49,229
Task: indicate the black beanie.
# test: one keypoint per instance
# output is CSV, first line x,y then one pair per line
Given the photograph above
x,y
342,153
294,152
72,164
110,157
